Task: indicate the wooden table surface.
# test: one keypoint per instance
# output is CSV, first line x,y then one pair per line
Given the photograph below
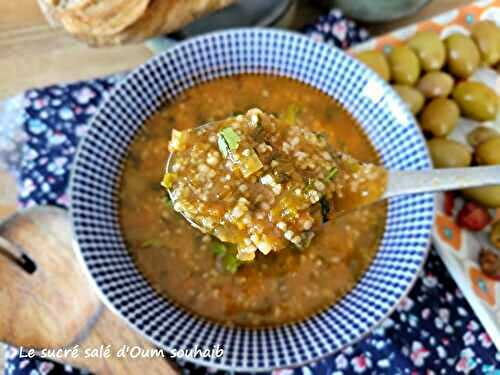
x,y
32,54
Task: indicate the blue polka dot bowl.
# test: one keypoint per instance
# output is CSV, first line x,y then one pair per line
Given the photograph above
x,y
96,175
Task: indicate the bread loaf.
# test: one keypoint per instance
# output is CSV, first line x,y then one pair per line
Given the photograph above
x,y
112,22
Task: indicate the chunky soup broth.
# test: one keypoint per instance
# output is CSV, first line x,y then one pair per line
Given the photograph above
x,y
185,265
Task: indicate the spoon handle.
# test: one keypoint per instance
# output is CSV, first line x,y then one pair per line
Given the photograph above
x,y
434,180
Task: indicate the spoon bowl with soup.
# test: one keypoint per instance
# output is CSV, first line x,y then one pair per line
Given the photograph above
x,y
263,184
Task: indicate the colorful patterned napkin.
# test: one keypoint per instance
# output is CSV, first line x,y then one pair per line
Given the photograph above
x,y
432,331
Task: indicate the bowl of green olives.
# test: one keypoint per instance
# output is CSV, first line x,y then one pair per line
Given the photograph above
x,y
451,83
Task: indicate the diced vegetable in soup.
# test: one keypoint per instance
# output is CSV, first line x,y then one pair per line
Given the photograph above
x,y
261,183
203,274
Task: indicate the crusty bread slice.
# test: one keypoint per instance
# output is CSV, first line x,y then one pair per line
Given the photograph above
x,y
49,10
102,17
165,16
111,22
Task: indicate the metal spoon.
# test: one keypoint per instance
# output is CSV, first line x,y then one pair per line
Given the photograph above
x,y
416,182
436,180
402,183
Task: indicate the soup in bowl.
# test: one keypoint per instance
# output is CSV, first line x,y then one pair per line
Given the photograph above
x,y
183,288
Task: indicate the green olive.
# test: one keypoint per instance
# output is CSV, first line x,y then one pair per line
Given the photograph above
x,y
486,34
440,117
410,96
430,50
376,61
480,135
435,84
488,196
495,234
462,55
404,64
476,100
446,153
488,152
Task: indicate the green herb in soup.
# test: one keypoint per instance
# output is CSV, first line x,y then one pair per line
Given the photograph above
x,y
203,274
258,182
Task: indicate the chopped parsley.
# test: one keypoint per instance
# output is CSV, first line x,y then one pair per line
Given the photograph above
x,y
218,248
231,263
226,252
228,140
332,173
